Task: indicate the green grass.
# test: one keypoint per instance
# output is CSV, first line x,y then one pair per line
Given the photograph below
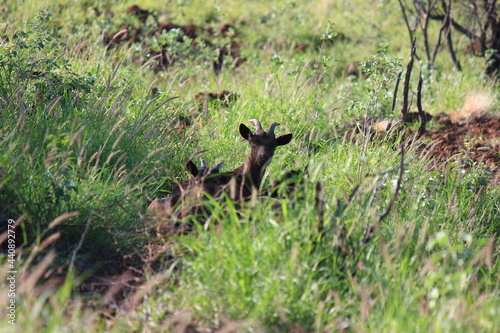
x,y
80,132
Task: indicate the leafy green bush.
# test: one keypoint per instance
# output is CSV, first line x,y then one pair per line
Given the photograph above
x,y
72,142
84,144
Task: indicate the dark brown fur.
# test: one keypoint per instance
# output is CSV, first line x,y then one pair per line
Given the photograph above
x,y
240,184
187,192
245,180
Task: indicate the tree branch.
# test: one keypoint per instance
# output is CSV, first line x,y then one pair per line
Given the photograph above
x,y
406,86
421,113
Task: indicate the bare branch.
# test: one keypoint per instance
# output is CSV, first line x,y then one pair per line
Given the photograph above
x,y
410,29
395,97
438,44
421,113
457,26
449,41
430,6
398,185
406,86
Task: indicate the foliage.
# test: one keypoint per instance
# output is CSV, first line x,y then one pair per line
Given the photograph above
x,y
90,133
382,73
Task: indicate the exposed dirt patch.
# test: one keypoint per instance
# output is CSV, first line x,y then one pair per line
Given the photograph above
x,y
222,41
471,140
476,140
320,42
224,97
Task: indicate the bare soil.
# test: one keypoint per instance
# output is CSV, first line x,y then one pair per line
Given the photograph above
x,y
475,140
468,141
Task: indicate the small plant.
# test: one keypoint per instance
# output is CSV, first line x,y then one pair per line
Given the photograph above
x,y
330,32
382,72
31,61
351,235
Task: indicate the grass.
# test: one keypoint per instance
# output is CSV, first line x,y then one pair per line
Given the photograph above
x,y
85,146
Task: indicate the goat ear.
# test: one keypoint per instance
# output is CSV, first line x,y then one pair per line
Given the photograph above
x,y
245,132
284,139
192,168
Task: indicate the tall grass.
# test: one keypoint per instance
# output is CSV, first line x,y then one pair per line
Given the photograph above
x,y
85,145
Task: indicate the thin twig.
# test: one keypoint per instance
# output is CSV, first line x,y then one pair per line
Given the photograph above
x,y
449,40
396,167
421,113
406,86
438,43
457,26
398,186
410,30
395,97
430,7
79,246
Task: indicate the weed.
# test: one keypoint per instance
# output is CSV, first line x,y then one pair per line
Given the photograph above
x,y
365,239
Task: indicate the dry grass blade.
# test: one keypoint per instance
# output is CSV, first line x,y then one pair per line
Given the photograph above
x,y
117,285
30,278
62,218
120,33
52,104
131,303
46,242
150,61
5,235
485,256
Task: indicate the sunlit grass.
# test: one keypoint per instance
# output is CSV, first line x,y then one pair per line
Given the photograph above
x,y
88,145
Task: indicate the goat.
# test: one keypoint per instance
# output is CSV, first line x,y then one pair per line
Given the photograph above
x,y
245,180
240,184
187,191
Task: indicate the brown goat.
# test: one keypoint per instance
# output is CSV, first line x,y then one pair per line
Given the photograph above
x,y
188,192
240,184
245,180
